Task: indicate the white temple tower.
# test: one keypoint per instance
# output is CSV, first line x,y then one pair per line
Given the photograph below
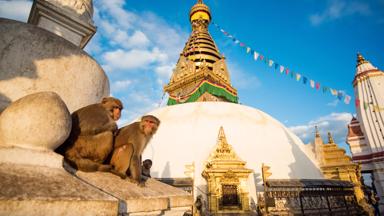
x,y
366,133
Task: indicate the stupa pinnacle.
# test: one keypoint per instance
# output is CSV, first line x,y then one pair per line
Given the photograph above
x,y
201,73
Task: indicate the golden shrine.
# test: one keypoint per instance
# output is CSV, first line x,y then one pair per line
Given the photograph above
x,y
335,164
227,177
201,73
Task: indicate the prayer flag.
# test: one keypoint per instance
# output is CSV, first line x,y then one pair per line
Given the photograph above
x,y
340,95
222,30
230,36
292,74
305,79
261,57
281,68
270,63
248,49
325,89
298,77
225,33
347,99
317,86
287,71
312,83
242,44
237,41
255,55
276,66
333,92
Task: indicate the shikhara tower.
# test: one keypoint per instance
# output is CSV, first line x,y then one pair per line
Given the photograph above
x,y
366,133
201,73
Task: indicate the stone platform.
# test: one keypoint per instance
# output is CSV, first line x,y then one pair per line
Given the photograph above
x,y
36,184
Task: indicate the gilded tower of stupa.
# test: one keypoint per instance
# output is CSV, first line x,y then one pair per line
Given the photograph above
x,y
201,73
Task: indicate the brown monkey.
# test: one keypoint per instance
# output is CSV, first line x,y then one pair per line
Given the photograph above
x,y
146,168
92,135
130,143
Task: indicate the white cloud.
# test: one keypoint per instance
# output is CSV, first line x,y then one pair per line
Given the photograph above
x,y
132,59
336,123
242,80
164,71
120,85
17,9
338,9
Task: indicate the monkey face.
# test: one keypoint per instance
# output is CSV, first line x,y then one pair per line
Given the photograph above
x,y
150,126
114,106
116,113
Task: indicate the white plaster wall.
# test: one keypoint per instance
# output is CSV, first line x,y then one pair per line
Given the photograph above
x,y
188,133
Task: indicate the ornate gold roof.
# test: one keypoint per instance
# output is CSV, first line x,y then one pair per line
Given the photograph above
x,y
200,56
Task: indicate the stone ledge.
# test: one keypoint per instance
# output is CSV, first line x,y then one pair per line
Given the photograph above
x,y
155,196
39,190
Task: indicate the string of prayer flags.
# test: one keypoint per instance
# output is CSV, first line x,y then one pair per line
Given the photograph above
x,y
257,56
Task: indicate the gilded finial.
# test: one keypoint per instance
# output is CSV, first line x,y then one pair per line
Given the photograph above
x,y
360,59
330,138
200,1
317,134
221,133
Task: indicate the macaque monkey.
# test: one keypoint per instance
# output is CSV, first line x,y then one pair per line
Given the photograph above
x,y
91,138
130,143
146,168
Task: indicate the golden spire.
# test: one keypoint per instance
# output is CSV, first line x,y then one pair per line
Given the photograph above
x,y
360,59
330,138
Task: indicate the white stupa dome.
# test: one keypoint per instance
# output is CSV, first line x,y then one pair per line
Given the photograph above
x,y
188,134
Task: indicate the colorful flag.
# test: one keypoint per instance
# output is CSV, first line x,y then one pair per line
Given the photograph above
x,y
333,92
242,44
230,36
222,30
298,77
255,55
225,33
357,102
340,95
312,83
317,86
292,74
325,89
347,99
248,49
305,79
287,71
261,57
276,66
270,63
281,68
237,41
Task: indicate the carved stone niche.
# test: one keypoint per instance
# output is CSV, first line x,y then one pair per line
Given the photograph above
x,y
226,177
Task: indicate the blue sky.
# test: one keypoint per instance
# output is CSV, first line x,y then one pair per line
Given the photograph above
x,y
138,44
